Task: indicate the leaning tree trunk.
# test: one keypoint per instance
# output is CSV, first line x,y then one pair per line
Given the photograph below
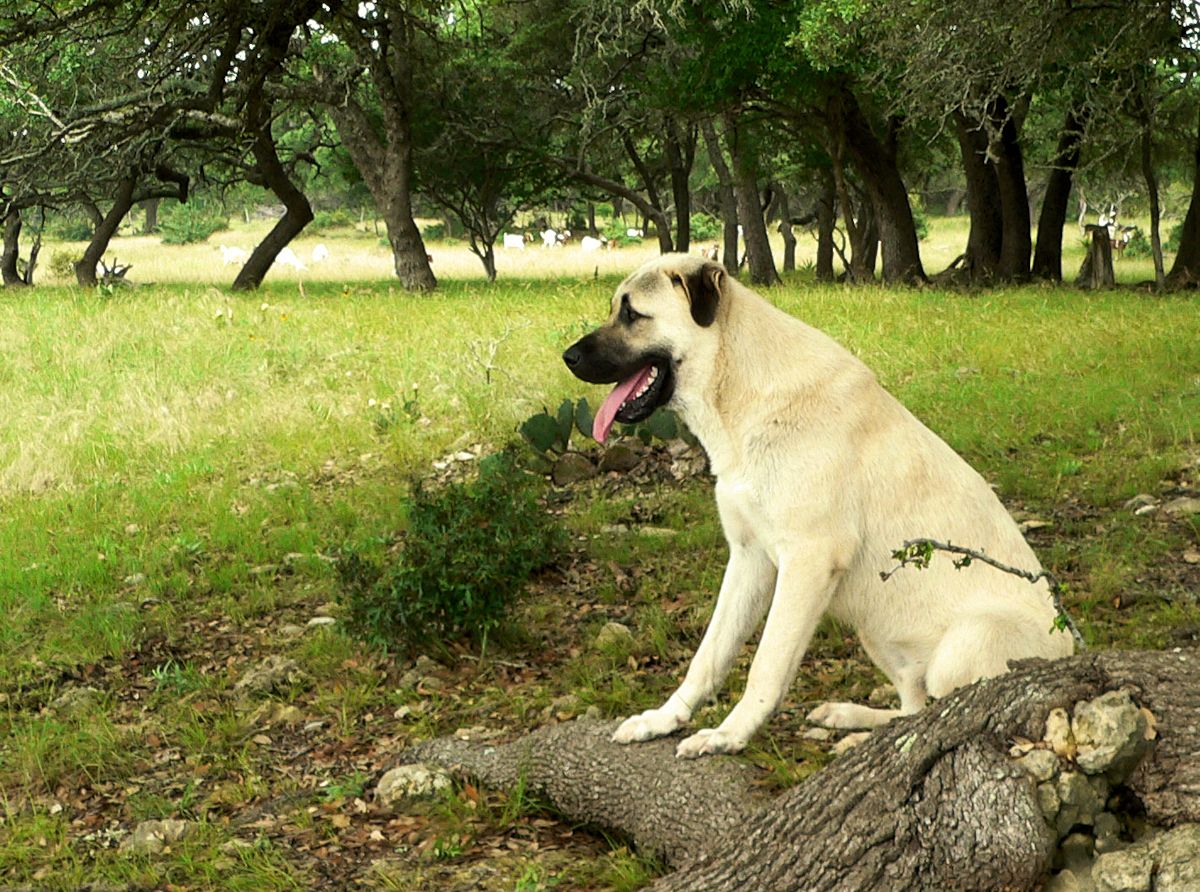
x,y
681,155
1047,256
744,164
12,248
877,167
983,200
85,268
1016,245
931,801
1185,271
725,194
661,224
1097,268
270,172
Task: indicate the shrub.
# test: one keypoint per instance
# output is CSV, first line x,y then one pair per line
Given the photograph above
x,y
467,550
71,230
185,224
62,264
705,227
920,221
335,219
433,232
1138,245
1173,238
618,233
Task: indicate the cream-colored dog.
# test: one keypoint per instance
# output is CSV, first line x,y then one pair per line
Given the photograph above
x,y
821,475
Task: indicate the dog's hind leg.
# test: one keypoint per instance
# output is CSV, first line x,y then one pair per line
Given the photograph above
x,y
745,591
909,679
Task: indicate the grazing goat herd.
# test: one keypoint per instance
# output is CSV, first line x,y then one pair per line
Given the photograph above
x,y
557,238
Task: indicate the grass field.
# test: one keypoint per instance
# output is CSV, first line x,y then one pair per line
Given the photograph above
x,y
179,464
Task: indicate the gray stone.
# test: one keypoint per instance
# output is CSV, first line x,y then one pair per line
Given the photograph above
x,y
321,621
290,630
1058,733
1110,734
409,782
572,468
1182,506
619,457
135,579
151,837
1127,871
75,700
1063,881
1107,830
1041,764
1080,801
593,713
1076,853
272,673
420,674
1048,801
614,635
1141,500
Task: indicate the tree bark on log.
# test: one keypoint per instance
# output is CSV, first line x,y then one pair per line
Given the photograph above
x,y
1097,268
931,801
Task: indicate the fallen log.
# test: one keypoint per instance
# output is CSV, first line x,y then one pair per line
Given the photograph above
x,y
931,801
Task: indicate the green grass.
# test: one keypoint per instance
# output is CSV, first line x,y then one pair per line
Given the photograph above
x,y
177,464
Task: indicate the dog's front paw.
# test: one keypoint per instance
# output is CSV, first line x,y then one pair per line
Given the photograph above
x,y
848,716
650,724
708,742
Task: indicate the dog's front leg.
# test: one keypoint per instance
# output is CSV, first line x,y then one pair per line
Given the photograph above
x,y
745,590
805,584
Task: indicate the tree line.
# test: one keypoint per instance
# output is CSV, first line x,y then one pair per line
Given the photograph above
x,y
826,113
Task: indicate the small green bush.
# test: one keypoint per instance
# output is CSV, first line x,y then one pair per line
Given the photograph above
x,y
185,224
433,232
62,264
705,227
1138,246
920,220
467,550
1174,237
336,219
71,230
618,233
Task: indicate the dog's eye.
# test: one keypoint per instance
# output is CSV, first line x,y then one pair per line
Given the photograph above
x,y
628,314
677,279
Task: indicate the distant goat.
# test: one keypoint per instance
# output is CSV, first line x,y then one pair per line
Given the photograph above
x,y
593,244
514,240
549,238
320,253
230,255
287,257
635,233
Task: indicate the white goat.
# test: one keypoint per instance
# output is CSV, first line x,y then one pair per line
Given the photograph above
x,y
287,257
549,238
230,256
592,244
514,240
320,253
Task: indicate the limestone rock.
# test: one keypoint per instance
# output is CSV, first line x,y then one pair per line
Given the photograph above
x,y
1141,500
1127,871
1182,506
619,457
1058,733
408,782
1177,859
319,621
151,837
1041,764
75,700
272,673
1081,802
614,635
1110,734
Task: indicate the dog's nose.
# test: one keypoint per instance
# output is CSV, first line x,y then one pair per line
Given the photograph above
x,y
572,355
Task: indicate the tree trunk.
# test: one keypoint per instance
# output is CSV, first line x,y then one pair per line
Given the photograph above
x,y
1160,278
785,229
743,164
1017,244
725,194
150,223
9,273
681,155
1185,271
983,200
1097,268
826,220
1047,257
877,167
653,204
931,801
85,268
270,173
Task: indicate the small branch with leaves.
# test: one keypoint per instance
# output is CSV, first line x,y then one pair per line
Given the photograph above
x,y
919,552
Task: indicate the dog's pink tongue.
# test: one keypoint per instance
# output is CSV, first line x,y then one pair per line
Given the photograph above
x,y
607,413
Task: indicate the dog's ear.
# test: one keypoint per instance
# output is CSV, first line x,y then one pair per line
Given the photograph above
x,y
704,286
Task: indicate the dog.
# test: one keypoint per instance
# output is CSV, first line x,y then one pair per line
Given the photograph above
x,y
821,475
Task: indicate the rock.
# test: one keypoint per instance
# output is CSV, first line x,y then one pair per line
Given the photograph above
x,y
572,468
1107,831
1041,764
313,727
1141,500
593,713
151,837
1058,733
1144,510
329,608
1127,871
1080,801
1076,853
883,695
1191,556
1177,859
408,782
1110,734
75,700
1182,506
318,621
420,673
1063,881
619,457
134,579
614,635
290,630
272,673
276,713
1048,801
658,532
1034,523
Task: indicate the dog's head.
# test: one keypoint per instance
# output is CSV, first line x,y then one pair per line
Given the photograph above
x,y
658,313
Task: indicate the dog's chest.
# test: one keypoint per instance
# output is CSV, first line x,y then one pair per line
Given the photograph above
x,y
743,512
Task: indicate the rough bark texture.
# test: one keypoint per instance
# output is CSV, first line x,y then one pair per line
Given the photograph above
x,y
150,223
1151,178
1185,271
680,146
1017,244
1097,268
983,201
785,228
85,268
826,220
744,166
726,195
931,801
1047,256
